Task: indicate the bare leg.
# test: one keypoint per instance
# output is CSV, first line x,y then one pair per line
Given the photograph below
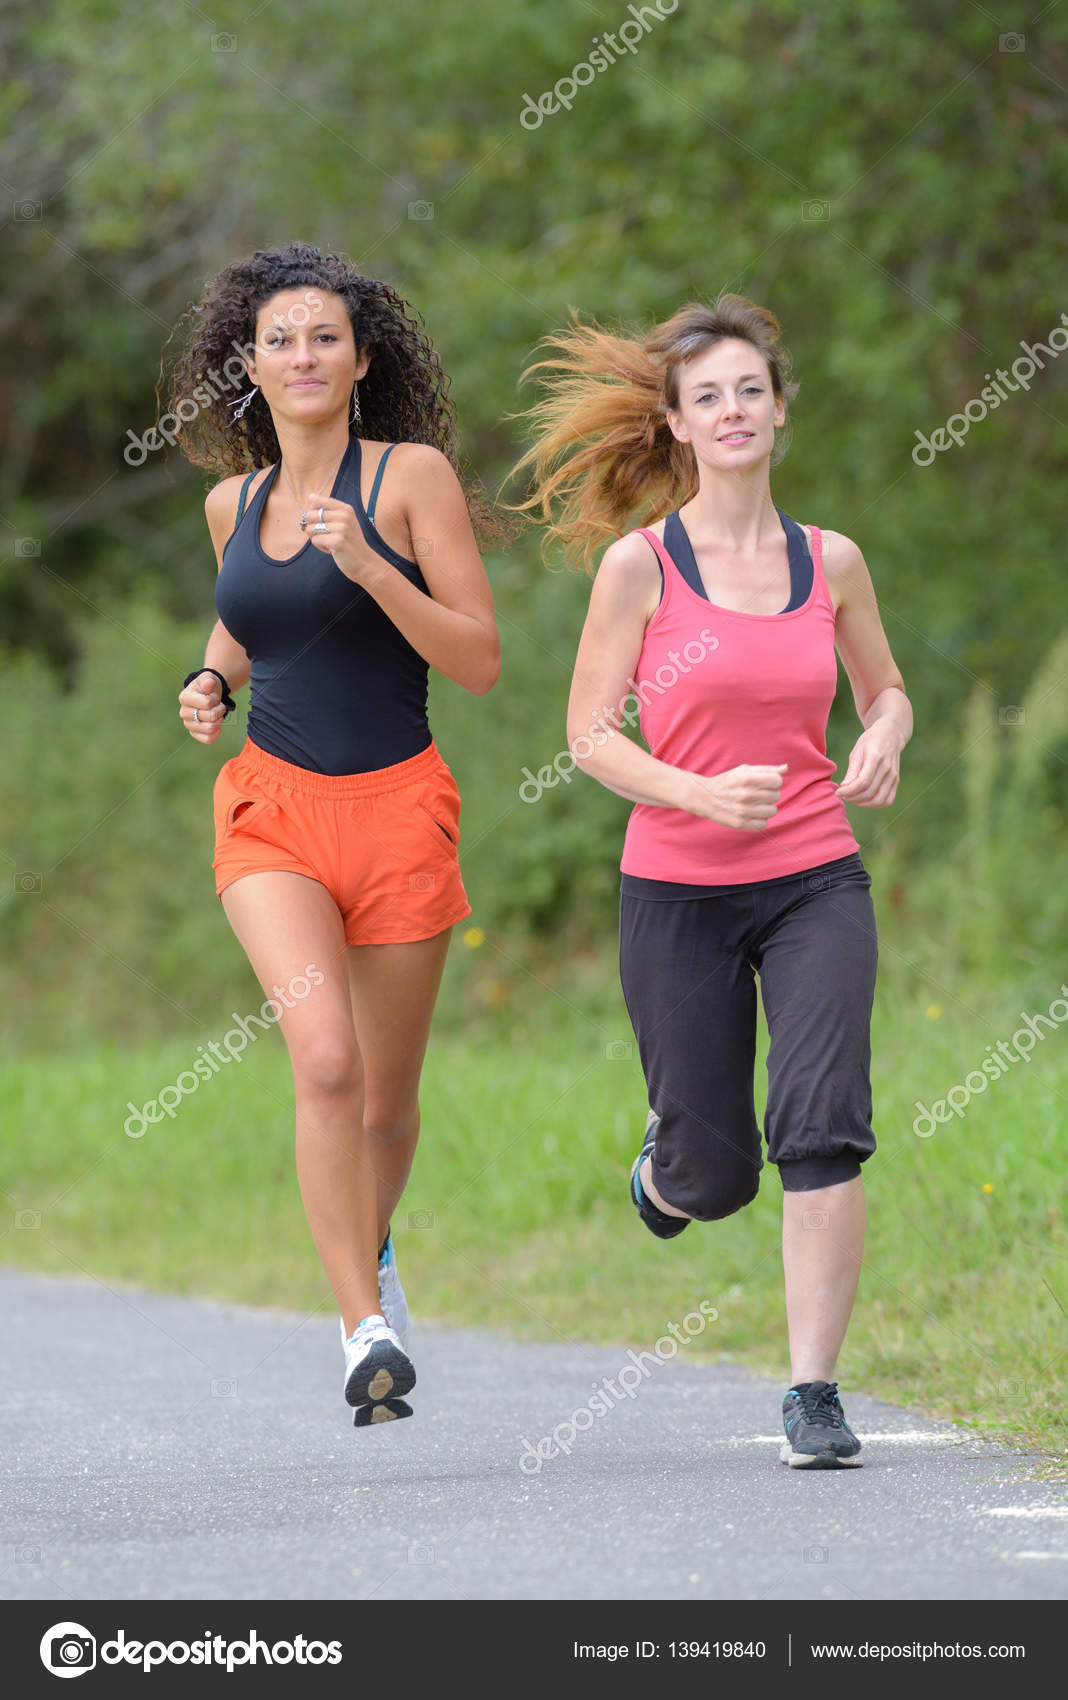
x,y
822,1248
393,989
357,1043
289,924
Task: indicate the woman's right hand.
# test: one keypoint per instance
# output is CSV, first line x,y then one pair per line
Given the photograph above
x,y
203,693
744,797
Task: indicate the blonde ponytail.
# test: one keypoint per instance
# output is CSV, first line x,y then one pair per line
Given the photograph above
x,y
605,459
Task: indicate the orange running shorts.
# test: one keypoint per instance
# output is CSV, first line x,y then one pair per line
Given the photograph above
x,y
384,843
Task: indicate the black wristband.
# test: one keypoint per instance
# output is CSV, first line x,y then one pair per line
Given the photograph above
x,y
228,702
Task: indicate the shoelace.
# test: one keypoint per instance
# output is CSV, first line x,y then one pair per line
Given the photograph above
x,y
820,1405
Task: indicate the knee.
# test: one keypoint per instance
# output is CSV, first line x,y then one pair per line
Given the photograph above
x,y
718,1192
717,1196
328,1068
707,1172
390,1123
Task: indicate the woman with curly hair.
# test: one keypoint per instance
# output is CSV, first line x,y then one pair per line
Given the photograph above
x,y
722,616
337,824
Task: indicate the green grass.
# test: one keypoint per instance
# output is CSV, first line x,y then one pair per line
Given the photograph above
x,y
516,1216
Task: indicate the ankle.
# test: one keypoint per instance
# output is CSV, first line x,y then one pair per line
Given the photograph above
x,y
665,1209
351,1324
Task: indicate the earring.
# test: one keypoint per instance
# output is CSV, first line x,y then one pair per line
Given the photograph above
x,y
356,416
242,403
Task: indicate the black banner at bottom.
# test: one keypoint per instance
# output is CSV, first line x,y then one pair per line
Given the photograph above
x,y
235,1646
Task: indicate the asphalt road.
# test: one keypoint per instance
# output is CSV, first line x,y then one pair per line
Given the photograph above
x,y
169,1448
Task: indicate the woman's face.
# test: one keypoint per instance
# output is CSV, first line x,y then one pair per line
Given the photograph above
x,y
306,361
727,408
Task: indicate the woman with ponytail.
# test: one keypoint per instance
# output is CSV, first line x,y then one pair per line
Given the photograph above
x,y
722,615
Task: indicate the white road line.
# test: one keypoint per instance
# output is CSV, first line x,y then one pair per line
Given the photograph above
x,y
1021,1510
909,1436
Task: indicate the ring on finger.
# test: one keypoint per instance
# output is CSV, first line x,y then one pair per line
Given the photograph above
x,y
320,516
196,714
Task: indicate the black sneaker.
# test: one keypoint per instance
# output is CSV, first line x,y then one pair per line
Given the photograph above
x,y
657,1221
817,1434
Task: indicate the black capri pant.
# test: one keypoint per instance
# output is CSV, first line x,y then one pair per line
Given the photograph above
x,y
688,965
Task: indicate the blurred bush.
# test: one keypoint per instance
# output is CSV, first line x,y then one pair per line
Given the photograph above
x,y
110,925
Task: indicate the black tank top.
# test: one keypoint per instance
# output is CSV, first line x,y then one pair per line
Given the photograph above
x,y
335,687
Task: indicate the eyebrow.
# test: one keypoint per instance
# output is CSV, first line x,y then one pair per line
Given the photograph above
x,y
710,383
329,326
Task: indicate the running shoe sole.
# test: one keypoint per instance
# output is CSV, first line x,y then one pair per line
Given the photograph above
x,y
384,1373
826,1460
386,1412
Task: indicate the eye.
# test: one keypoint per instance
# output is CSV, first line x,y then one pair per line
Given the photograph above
x,y
750,389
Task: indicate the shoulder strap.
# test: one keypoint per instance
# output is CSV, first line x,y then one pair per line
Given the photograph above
x,y
677,544
378,479
802,566
241,503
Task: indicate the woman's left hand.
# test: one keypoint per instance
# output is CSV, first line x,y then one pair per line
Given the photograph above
x,y
871,778
342,538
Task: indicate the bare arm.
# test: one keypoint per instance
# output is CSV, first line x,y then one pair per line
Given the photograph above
x,y
878,689
622,602
226,655
223,652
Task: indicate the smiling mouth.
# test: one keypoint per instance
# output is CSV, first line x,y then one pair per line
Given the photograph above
x,y
736,437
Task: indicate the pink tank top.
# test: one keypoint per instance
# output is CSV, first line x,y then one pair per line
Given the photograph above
x,y
719,688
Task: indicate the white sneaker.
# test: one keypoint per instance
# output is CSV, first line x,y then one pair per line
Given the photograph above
x,y
391,1293
377,1367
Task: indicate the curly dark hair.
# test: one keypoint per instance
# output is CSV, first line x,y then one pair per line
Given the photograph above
x,y
404,396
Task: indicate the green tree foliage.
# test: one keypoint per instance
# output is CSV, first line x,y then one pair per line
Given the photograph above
x,y
888,175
